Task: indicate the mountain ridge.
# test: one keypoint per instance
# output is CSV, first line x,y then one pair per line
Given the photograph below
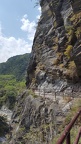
x,y
16,65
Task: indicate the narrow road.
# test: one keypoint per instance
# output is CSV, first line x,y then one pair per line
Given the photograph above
x,y
45,94
65,103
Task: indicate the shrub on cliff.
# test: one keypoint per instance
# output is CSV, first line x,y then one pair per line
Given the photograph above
x,y
78,32
72,71
68,51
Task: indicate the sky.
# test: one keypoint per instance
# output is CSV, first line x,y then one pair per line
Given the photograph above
x,y
18,21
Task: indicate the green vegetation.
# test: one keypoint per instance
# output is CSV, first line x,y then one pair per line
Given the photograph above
x,y
16,66
30,92
78,32
12,79
55,24
9,89
72,71
49,13
76,18
38,134
68,51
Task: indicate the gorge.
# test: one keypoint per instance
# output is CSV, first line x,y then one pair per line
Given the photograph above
x,y
54,67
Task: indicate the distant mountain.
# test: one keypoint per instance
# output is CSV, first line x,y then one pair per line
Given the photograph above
x,y
16,66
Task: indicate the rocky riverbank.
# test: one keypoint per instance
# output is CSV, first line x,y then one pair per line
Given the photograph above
x,y
5,112
5,118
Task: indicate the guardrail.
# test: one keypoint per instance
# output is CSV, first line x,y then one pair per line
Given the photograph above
x,y
66,134
54,95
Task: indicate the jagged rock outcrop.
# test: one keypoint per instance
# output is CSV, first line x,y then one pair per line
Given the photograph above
x,y
55,64
33,120
56,45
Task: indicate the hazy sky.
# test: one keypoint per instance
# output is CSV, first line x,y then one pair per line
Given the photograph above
x,y
18,20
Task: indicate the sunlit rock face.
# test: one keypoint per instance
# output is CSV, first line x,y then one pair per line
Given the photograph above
x,y
56,45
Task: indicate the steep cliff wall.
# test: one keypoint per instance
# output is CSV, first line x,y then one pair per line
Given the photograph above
x,y
56,45
55,64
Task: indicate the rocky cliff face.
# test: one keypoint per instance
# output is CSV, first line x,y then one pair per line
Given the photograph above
x,y
55,64
33,120
56,46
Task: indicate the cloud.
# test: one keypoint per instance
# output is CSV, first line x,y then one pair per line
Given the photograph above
x,y
38,17
10,46
0,29
39,10
28,27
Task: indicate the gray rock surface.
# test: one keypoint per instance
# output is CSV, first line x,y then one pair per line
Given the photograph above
x,y
5,112
33,115
49,62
